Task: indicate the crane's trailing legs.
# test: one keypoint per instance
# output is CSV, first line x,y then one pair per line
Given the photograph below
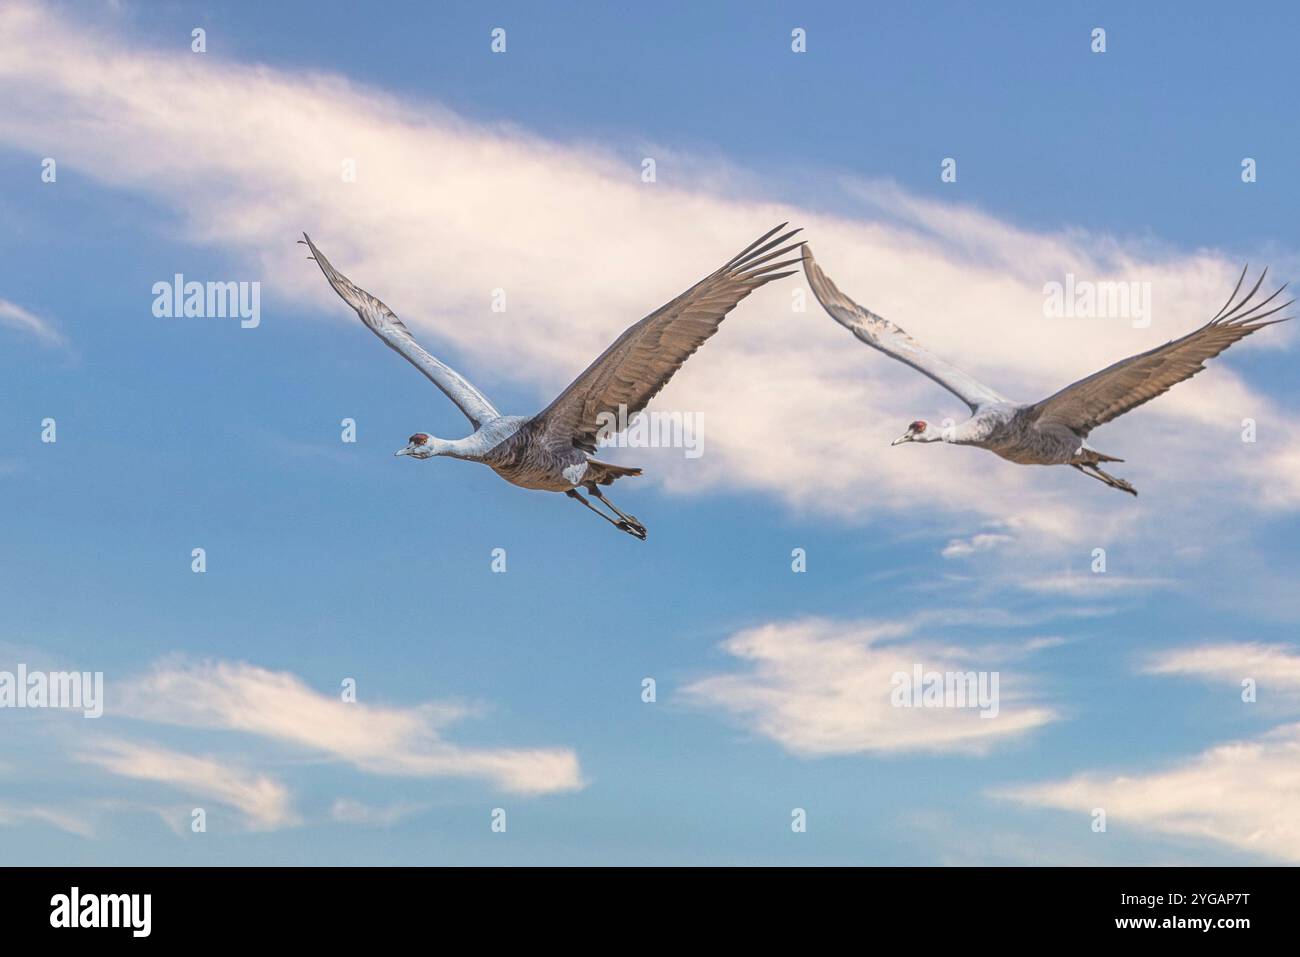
x,y
624,522
629,523
1089,468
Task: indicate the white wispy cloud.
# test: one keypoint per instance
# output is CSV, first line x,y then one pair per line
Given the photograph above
x,y
264,801
1243,794
15,316
410,741
255,707
350,811
1084,584
444,210
982,542
821,687
13,813
1276,668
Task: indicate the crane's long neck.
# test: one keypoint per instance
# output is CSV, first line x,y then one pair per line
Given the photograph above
x,y
966,432
470,447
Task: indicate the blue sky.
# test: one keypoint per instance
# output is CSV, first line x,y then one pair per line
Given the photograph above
x,y
521,170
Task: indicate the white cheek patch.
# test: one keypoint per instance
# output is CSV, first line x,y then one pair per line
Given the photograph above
x,y
574,473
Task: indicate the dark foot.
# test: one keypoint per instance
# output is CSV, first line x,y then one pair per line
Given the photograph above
x,y
632,527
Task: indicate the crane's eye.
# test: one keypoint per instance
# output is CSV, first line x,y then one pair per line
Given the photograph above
x,y
917,426
419,438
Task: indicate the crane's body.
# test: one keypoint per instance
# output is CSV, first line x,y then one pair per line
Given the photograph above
x,y
514,447
1009,430
553,451
1055,430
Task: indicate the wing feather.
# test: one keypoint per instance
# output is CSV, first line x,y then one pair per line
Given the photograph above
x,y
640,362
880,333
1130,382
384,323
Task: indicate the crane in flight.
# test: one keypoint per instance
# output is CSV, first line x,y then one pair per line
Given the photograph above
x,y
554,449
1055,430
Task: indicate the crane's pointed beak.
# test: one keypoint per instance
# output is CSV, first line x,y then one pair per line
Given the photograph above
x,y
905,437
406,451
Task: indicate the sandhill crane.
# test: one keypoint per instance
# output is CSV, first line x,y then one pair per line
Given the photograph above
x,y
552,450
1055,430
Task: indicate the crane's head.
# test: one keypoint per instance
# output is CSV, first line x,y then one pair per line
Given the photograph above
x,y
915,433
421,445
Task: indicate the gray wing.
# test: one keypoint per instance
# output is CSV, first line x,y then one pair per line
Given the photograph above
x,y
642,360
384,323
880,333
1130,382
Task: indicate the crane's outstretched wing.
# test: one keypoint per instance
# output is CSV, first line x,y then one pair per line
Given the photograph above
x,y
880,333
642,360
385,324
1128,383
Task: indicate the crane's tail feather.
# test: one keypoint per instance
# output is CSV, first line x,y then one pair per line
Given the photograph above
x,y
605,473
